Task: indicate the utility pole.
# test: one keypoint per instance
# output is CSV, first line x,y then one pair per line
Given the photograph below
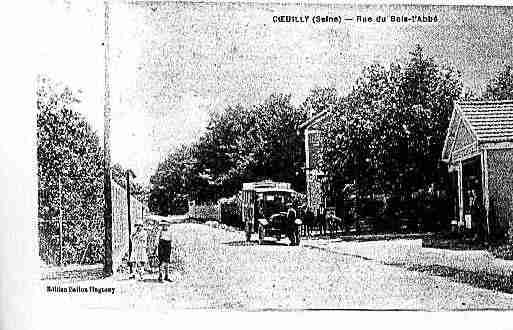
x,y
107,191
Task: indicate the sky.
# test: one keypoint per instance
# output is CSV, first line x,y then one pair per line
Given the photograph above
x,y
174,63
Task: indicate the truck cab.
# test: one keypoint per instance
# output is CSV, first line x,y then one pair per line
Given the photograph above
x,y
265,210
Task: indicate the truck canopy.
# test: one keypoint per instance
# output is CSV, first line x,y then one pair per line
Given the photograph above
x,y
266,185
273,190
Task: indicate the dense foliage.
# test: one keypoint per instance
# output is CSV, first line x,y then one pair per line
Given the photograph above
x,y
173,181
501,86
241,144
385,137
387,134
69,156
139,191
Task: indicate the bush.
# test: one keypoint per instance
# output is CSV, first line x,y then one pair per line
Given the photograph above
x,y
82,242
70,173
503,251
203,213
231,211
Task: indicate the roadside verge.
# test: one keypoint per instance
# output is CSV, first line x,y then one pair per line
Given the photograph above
x,y
476,267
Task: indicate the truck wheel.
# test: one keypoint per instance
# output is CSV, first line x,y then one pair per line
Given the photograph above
x,y
261,234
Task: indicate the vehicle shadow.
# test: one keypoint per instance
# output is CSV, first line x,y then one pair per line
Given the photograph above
x,y
250,243
151,280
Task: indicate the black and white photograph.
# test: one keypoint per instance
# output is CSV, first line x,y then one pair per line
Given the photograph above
x,y
259,157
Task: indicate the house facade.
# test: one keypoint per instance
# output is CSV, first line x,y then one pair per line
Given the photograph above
x,y
479,152
316,185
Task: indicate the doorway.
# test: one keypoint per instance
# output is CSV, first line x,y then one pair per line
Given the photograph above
x,y
472,191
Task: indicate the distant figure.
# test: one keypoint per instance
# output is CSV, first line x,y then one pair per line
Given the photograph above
x,y
321,220
308,221
291,213
291,225
164,250
139,256
334,223
477,217
260,209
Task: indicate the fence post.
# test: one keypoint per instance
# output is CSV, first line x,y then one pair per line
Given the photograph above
x,y
129,219
60,221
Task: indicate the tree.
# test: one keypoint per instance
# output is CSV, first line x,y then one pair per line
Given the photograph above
x,y
69,155
276,150
221,150
320,99
501,86
387,134
241,144
359,129
137,190
469,94
252,143
434,87
169,185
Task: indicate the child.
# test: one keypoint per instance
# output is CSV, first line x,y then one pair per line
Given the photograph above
x,y
139,255
164,250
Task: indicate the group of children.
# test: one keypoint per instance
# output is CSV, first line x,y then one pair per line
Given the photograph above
x,y
139,255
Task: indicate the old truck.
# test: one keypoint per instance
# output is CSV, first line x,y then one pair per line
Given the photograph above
x,y
264,211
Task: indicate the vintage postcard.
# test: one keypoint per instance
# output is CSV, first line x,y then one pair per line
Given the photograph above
x,y
248,156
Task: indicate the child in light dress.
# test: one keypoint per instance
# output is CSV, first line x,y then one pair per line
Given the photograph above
x,y
139,255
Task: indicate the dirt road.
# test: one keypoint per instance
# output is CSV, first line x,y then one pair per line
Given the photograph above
x,y
217,269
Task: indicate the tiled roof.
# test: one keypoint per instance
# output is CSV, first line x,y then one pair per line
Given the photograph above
x,y
489,120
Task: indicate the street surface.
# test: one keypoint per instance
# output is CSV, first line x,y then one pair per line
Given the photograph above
x,y
217,269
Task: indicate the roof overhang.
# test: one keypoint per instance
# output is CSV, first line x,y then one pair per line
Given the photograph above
x,y
457,123
488,123
274,190
314,119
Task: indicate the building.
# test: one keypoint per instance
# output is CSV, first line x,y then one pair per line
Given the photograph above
x,y
316,183
479,152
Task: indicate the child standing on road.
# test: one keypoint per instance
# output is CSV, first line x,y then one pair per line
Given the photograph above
x,y
164,250
139,255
